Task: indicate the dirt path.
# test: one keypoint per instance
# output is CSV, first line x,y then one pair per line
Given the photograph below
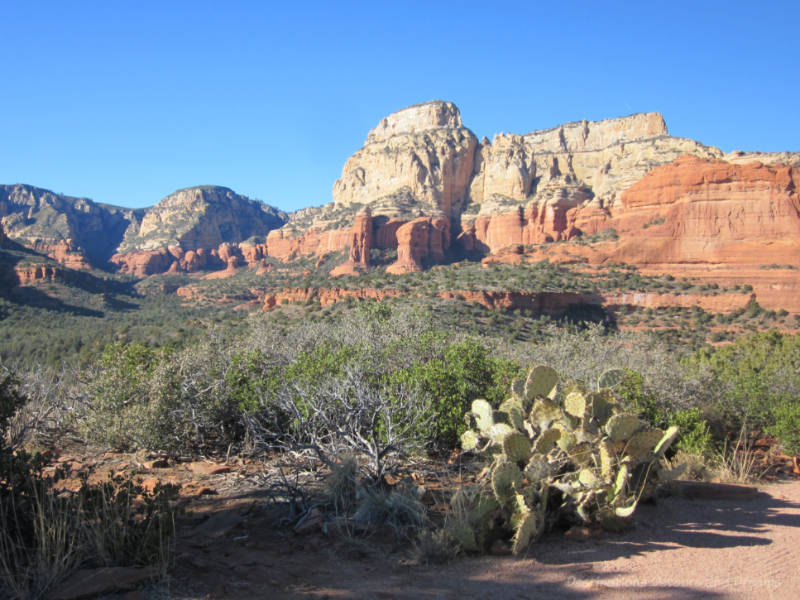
x,y
681,548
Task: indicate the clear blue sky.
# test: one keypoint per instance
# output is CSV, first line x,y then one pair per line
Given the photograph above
x,y
124,102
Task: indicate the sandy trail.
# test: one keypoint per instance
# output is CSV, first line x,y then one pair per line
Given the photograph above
x,y
680,548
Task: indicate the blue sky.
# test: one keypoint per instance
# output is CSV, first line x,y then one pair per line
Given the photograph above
x,y
124,102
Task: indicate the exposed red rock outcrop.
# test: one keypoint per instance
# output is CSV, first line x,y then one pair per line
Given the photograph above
x,y
721,303
534,224
360,246
325,296
548,303
423,238
713,212
143,262
65,252
33,274
287,245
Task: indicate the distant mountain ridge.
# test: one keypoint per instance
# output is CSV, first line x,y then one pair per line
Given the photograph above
x,y
425,188
80,233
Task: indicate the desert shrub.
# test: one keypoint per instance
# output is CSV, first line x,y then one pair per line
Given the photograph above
x,y
353,414
786,426
460,373
47,531
758,377
118,390
694,432
585,353
251,375
173,401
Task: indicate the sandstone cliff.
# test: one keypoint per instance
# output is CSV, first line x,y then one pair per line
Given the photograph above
x,y
74,231
711,211
423,186
193,229
419,158
361,243
543,186
423,239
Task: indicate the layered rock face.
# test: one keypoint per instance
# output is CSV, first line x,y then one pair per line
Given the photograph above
x,y
201,217
578,179
190,229
566,178
74,231
713,212
419,158
422,240
423,185
360,245
539,187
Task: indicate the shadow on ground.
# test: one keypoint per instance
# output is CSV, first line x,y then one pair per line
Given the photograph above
x,y
239,552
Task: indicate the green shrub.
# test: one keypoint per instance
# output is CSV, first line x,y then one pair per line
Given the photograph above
x,y
119,392
787,426
756,375
695,435
46,532
463,372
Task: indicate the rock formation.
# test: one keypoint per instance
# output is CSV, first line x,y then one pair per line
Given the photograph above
x,y
360,245
423,239
424,186
419,158
74,231
711,211
199,220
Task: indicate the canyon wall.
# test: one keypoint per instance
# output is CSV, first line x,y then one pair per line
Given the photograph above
x,y
424,186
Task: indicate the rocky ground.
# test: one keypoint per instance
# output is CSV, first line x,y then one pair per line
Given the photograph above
x,y
716,543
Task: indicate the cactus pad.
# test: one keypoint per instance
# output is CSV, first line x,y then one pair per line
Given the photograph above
x,y
505,478
641,445
575,404
541,383
528,527
625,511
606,460
513,407
621,482
547,439
469,440
622,426
666,441
567,440
498,432
544,412
518,388
588,478
537,469
611,378
603,404
483,413
517,447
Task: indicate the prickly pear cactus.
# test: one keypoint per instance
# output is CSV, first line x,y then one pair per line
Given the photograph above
x,y
561,452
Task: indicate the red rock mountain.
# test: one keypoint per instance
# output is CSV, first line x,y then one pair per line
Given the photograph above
x,y
425,187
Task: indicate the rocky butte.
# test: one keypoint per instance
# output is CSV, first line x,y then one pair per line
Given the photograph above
x,y
425,187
